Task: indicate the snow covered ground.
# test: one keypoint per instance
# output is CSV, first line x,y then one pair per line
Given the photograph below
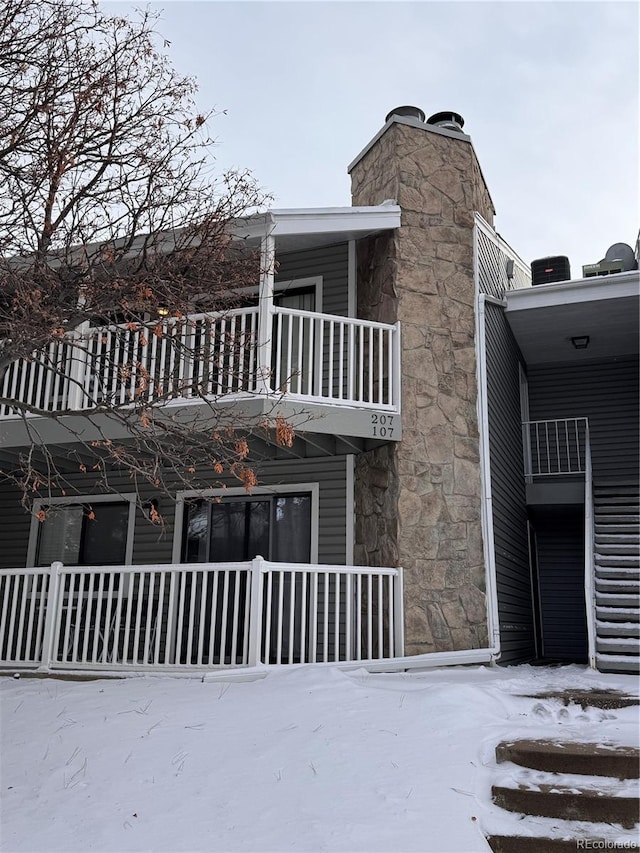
x,y
303,759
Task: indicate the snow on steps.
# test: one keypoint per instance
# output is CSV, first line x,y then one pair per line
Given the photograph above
x,y
617,577
582,794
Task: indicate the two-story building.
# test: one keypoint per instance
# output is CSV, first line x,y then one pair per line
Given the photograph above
x,y
463,482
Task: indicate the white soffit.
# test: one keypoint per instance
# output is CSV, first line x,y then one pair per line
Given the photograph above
x,y
606,309
341,223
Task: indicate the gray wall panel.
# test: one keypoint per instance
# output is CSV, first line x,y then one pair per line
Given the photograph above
x,y
331,262
153,545
604,392
515,605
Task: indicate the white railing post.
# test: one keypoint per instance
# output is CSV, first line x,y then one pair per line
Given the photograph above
x,y
526,450
395,371
589,585
255,611
48,638
398,615
265,313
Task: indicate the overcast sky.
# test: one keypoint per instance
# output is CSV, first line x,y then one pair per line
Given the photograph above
x,y
548,91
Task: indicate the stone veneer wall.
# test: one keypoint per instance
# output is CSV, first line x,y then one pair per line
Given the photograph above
x,y
418,501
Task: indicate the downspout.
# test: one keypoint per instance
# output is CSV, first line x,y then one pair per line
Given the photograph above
x,y
486,511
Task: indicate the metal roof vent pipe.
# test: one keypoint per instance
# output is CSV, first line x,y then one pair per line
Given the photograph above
x,y
406,112
447,121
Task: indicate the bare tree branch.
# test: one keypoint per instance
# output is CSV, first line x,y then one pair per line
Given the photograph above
x,y
119,280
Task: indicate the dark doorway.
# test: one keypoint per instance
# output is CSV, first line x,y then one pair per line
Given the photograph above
x,y
559,567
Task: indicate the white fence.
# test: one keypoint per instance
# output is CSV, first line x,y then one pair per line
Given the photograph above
x,y
555,447
315,356
198,615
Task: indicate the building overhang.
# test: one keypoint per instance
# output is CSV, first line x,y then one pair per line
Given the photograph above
x,y
306,228
544,319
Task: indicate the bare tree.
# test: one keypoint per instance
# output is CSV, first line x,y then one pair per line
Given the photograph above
x,y
117,266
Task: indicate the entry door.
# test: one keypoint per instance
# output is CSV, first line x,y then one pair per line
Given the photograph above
x,y
276,527
559,537
294,355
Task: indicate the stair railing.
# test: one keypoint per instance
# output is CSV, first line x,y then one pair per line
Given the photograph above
x,y
589,546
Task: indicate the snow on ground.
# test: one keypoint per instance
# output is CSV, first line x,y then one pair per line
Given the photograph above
x,y
303,759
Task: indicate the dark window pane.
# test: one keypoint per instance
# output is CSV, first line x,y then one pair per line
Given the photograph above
x,y
292,529
59,535
196,542
105,537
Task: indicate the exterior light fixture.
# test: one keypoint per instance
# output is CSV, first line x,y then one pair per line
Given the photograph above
x,y
580,342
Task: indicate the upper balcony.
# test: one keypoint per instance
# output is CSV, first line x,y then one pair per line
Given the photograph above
x,y
325,373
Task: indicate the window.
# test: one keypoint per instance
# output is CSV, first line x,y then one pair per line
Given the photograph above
x,y
83,534
276,527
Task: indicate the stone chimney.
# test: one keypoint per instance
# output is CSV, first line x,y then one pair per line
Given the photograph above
x,y
418,501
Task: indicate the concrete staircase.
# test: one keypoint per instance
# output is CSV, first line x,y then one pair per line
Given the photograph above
x,y
593,784
617,577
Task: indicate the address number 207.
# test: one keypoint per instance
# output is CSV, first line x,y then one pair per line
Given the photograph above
x,y
382,426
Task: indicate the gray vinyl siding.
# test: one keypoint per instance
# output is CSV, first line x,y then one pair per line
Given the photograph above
x,y
515,606
330,262
604,392
560,552
153,545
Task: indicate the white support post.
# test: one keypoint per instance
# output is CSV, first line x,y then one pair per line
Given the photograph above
x,y
48,637
398,615
255,611
265,312
78,367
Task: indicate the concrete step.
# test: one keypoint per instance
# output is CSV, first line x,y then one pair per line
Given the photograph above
x,y
625,586
618,572
618,645
610,498
572,803
630,549
624,664
589,759
618,629
622,600
605,517
532,844
617,614
616,560
604,540
613,528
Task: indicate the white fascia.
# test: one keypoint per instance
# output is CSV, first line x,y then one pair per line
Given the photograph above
x,y
321,220
571,292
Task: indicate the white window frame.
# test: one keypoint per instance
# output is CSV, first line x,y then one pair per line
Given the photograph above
x,y
239,491
82,500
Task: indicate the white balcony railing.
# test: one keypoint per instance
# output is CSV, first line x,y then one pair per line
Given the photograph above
x,y
198,615
555,447
312,356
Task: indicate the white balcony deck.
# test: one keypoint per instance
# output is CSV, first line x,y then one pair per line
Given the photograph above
x,y
305,358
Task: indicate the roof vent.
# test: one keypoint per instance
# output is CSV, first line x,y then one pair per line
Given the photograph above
x,y
447,121
406,112
619,258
